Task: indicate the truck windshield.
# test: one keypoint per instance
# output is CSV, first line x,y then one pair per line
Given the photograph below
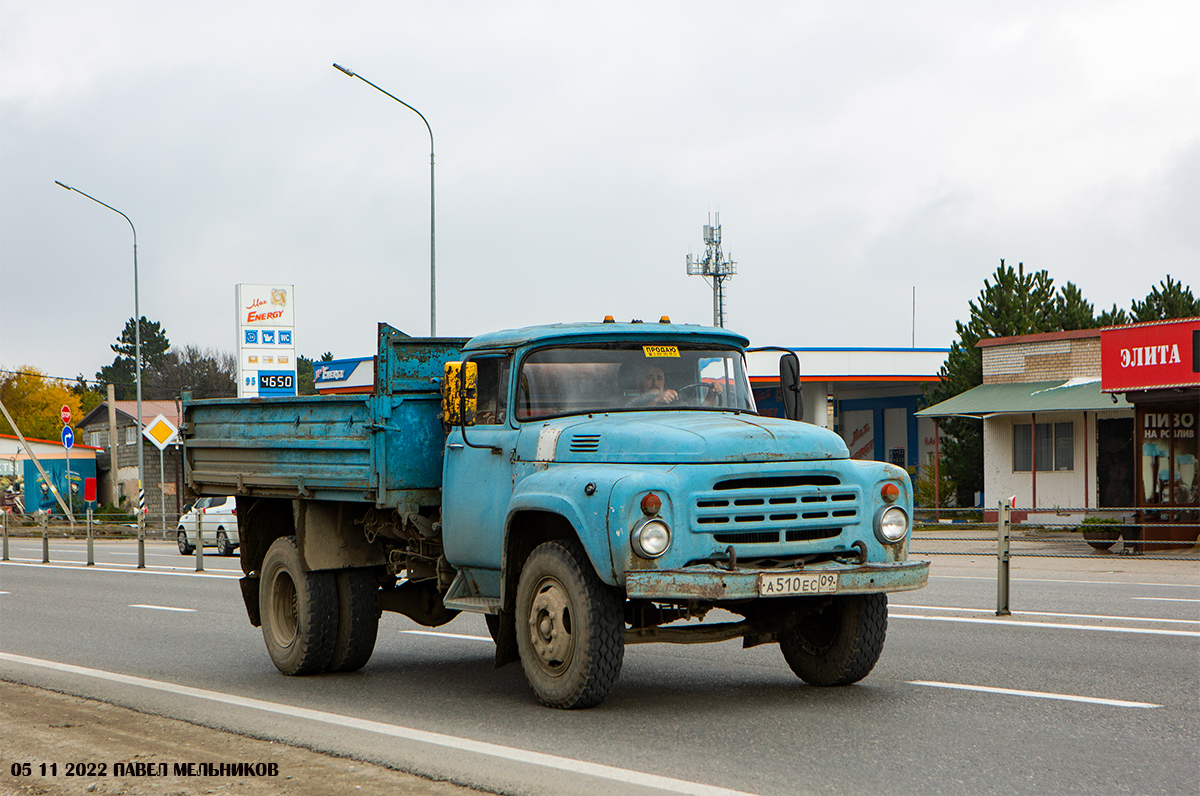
x,y
574,380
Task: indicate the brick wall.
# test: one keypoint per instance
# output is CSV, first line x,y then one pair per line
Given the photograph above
x,y
1042,360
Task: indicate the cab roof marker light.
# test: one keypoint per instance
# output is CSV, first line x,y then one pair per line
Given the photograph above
x,y
609,319
664,319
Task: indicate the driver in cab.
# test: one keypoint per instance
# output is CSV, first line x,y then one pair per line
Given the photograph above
x,y
650,386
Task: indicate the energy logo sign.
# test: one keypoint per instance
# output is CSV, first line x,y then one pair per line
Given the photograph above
x,y
265,338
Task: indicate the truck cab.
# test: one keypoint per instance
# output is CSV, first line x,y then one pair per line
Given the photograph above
x,y
635,451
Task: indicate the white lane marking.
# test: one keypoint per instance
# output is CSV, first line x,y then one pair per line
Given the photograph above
x,y
1120,703
1170,599
488,639
570,765
5,592
125,571
1059,625
1094,582
165,608
1048,613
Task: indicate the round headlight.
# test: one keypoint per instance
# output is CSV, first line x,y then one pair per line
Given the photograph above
x,y
650,538
891,524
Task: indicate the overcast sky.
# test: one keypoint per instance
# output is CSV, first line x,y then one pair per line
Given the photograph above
x,y
854,151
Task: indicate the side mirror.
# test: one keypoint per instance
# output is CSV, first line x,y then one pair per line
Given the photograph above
x,y
789,383
459,397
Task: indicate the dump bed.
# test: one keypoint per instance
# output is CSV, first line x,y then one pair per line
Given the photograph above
x,y
384,448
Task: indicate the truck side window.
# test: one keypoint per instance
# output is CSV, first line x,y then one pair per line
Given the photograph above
x,y
491,390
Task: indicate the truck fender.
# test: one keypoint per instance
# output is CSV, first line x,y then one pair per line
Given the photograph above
x,y
580,499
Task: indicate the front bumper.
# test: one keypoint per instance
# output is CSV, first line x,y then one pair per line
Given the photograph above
x,y
706,582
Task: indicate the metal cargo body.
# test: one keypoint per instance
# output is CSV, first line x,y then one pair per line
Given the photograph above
x,y
384,449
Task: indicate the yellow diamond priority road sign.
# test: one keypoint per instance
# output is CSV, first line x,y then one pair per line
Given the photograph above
x,y
160,432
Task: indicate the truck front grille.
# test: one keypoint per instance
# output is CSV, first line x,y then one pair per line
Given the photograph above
x,y
768,510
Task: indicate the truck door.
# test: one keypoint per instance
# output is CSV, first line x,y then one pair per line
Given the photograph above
x,y
477,479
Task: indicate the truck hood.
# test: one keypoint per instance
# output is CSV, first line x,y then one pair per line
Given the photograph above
x,y
686,438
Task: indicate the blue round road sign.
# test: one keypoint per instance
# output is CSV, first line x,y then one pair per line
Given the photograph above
x,y
68,437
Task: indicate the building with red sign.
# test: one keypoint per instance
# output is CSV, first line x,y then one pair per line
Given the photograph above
x,y
1156,366
1093,419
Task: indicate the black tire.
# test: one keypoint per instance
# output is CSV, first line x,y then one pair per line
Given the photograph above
x,y
570,627
839,644
224,548
185,549
358,619
298,610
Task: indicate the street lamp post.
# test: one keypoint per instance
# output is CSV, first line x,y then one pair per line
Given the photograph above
x,y
137,365
432,236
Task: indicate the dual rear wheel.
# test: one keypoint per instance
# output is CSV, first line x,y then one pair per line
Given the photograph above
x,y
313,622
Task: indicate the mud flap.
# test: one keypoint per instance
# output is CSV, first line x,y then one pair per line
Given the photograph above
x,y
250,598
506,640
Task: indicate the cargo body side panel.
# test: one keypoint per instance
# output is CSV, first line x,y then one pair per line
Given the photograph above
x,y
304,447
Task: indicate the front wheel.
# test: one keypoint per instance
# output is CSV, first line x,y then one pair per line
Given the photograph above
x,y
839,644
185,549
299,611
570,627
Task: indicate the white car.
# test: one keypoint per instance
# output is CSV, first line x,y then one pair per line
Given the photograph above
x,y
217,520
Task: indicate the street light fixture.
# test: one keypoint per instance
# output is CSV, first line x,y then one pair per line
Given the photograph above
x,y
137,353
432,236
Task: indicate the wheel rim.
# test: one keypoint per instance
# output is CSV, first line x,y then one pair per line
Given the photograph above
x,y
551,629
284,623
183,542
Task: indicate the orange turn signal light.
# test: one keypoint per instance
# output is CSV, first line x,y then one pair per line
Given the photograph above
x,y
889,492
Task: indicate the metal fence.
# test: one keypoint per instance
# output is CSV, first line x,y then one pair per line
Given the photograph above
x,y
1055,533
1059,532
57,526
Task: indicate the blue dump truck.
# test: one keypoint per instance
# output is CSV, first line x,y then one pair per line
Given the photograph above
x,y
583,486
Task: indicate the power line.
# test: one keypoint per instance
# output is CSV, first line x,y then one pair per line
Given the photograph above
x,y
72,379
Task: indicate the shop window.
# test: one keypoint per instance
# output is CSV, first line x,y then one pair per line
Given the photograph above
x,y
1055,447
1169,453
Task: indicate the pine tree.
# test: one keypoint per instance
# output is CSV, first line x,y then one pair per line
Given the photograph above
x,y
1175,300
1012,303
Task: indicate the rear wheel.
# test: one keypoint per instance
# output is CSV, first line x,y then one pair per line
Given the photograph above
x,y
224,548
298,611
839,644
185,549
570,627
358,619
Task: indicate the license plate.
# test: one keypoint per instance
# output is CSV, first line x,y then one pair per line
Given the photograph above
x,y
794,583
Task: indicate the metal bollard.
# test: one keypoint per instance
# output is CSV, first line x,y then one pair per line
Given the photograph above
x,y
1003,535
141,540
5,520
91,550
199,547
46,543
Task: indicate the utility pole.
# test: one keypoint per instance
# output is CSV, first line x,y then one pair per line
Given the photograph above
x,y
714,268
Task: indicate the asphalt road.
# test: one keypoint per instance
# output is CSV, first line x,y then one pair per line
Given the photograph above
x,y
1091,686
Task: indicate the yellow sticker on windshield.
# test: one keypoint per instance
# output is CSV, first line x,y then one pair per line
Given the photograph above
x,y
661,350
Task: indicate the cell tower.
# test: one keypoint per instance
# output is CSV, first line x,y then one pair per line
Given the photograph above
x,y
714,268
